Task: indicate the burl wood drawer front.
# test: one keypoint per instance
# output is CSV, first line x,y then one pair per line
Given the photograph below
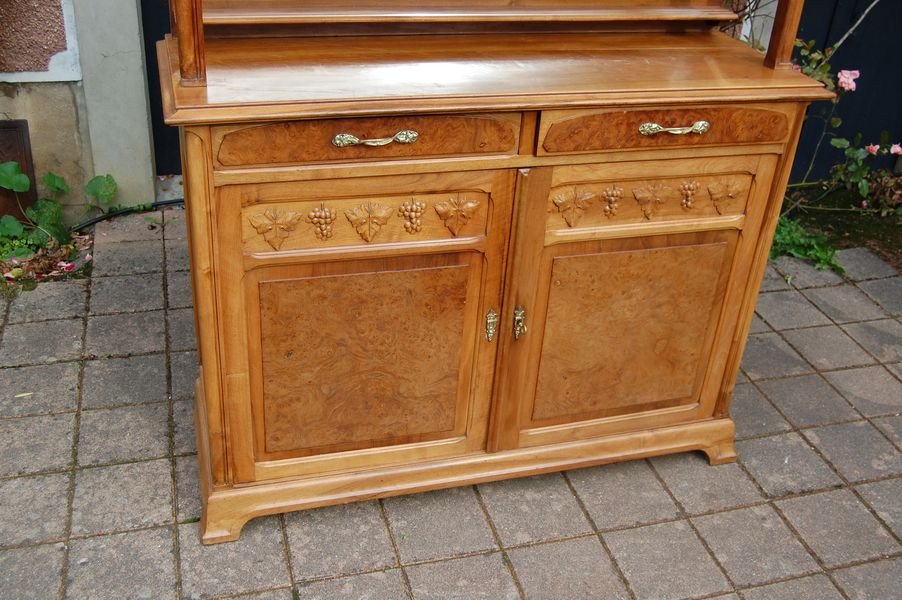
x,y
304,142
573,131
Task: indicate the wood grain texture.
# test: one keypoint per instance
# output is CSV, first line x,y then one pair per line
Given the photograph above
x,y
605,130
381,367
311,141
783,34
259,79
610,346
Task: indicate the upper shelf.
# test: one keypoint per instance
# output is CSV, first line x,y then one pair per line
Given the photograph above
x,y
291,12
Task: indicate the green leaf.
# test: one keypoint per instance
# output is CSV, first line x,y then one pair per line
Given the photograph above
x,y
48,215
11,227
839,143
863,188
835,122
12,177
55,183
102,188
19,252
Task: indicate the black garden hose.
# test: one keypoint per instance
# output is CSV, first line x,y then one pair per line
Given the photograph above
x,y
126,211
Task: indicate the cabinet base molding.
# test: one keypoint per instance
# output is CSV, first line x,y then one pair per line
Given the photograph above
x,y
227,509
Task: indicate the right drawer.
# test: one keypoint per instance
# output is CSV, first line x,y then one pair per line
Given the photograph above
x,y
576,131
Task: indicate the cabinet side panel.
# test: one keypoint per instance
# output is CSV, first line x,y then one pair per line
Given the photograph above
x,y
362,360
627,330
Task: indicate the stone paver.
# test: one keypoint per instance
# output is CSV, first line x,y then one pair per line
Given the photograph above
x,y
118,335
128,258
815,587
31,572
131,293
121,497
123,434
666,561
808,400
845,304
120,381
885,497
622,495
754,546
860,264
700,487
887,293
420,524
41,342
891,427
50,300
481,577
532,509
785,464
253,562
184,373
773,280
803,275
184,440
767,355
577,568
129,228
837,527
338,540
35,444
176,255
37,390
181,330
187,488
785,310
384,585
178,289
136,564
857,450
753,414
871,390
33,509
883,339
828,348
874,580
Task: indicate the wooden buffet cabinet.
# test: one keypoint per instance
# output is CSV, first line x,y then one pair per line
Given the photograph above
x,y
441,243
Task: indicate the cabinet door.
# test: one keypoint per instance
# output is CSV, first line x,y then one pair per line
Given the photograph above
x,y
359,337
629,294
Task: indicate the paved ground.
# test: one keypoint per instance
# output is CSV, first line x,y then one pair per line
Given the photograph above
x,y
97,469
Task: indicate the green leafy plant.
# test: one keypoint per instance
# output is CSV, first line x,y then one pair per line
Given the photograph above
x,y
793,239
43,219
103,189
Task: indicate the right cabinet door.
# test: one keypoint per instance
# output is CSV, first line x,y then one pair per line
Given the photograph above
x,y
628,281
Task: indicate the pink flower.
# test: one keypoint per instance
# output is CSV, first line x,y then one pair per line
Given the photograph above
x,y
847,79
895,149
797,68
864,204
872,149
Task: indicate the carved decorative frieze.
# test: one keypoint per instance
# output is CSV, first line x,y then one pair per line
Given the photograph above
x,y
612,197
369,218
652,196
322,219
572,204
412,212
688,189
722,192
456,212
275,225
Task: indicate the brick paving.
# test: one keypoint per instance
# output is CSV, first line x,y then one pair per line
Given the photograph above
x,y
99,498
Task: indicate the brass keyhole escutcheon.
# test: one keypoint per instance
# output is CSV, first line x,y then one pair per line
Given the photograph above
x,y
519,322
491,324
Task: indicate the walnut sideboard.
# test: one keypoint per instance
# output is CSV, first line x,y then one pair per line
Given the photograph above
x,y
437,246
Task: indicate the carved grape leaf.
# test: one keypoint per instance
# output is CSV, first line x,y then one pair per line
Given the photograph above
x,y
369,218
456,212
274,225
722,192
652,196
572,204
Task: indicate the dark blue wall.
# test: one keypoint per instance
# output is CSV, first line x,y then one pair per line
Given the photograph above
x,y
875,49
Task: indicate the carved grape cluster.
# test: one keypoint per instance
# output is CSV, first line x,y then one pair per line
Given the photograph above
x,y
612,197
412,211
322,219
688,189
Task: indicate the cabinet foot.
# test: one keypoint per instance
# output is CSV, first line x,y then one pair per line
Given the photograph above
x,y
721,452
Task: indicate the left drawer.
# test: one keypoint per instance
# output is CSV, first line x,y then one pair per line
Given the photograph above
x,y
363,139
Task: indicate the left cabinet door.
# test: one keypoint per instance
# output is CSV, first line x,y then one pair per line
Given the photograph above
x,y
353,319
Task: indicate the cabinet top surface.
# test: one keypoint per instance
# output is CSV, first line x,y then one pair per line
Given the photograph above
x,y
255,79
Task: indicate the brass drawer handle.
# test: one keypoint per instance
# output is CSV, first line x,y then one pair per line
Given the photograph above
x,y
407,136
519,322
698,127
